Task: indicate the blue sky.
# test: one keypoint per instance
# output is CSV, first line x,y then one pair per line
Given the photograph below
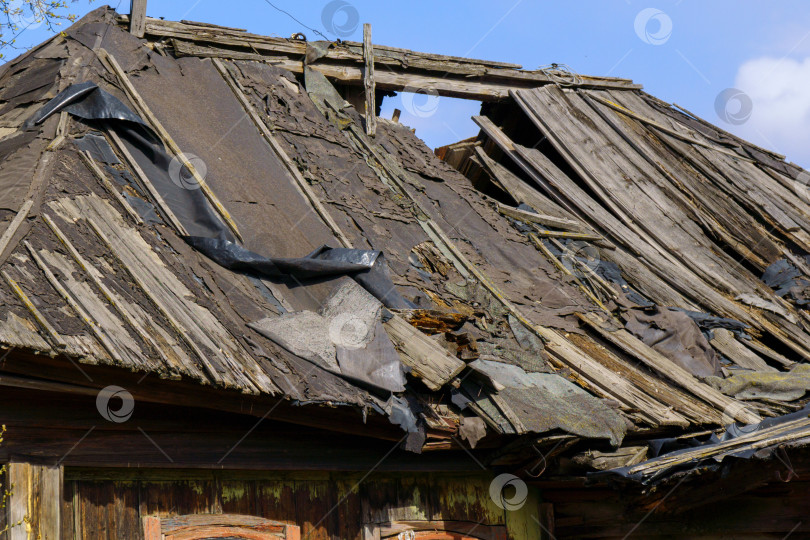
x,y
687,52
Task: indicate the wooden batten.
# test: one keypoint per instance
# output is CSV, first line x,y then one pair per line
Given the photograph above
x,y
105,181
13,227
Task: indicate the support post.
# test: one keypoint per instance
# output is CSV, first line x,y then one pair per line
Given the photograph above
x,y
547,521
33,508
368,82
137,18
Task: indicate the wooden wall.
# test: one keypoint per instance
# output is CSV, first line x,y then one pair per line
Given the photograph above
x,y
173,460
108,504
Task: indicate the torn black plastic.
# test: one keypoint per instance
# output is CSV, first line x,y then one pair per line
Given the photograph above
x,y
368,267
98,148
86,100
787,280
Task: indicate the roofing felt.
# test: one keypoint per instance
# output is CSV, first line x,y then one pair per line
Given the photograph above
x,y
594,254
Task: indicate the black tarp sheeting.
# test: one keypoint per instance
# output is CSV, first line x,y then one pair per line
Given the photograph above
x,y
787,280
96,145
86,100
207,232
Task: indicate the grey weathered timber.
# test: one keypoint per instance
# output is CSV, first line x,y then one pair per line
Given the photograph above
x,y
427,359
137,17
369,86
34,506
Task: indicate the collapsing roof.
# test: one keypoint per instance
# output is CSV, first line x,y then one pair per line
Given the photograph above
x,y
204,204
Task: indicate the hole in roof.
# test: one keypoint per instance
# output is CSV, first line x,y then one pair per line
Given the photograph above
x,y
438,120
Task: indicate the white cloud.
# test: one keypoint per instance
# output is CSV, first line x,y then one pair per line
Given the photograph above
x,y
780,94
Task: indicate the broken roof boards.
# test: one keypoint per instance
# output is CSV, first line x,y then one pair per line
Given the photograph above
x,y
606,309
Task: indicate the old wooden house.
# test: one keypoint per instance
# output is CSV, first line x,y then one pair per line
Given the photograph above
x,y
237,303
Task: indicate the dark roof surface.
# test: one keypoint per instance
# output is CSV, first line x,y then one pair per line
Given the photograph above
x,y
592,264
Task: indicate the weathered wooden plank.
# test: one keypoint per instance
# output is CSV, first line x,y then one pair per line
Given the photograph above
x,y
519,191
14,226
61,132
642,272
662,260
622,180
465,499
52,335
717,129
151,528
748,183
711,165
686,407
725,342
105,181
79,305
35,504
398,82
349,507
314,508
719,217
767,352
712,168
137,17
668,369
217,525
665,129
135,317
561,267
787,431
589,273
427,359
751,179
225,361
18,332
165,209
565,234
185,48
349,50
368,82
